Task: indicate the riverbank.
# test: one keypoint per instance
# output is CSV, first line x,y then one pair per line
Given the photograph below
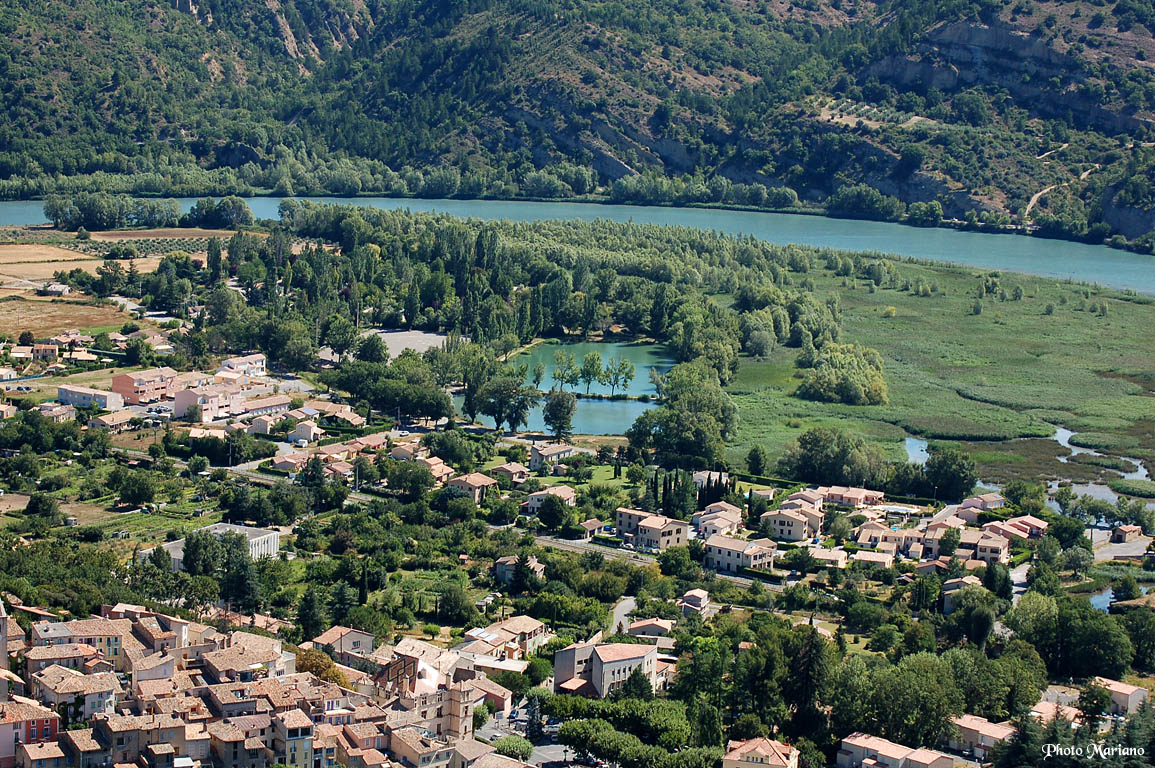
x,y
1061,260
1116,242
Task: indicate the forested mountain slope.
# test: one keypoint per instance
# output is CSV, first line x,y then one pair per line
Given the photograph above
x,y
976,105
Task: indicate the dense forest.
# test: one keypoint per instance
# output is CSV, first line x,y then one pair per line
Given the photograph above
x,y
993,114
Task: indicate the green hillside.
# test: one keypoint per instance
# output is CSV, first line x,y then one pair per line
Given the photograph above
x,y
1025,113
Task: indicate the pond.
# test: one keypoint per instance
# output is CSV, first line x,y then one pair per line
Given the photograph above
x,y
593,417
1101,600
645,357
1050,258
596,416
916,450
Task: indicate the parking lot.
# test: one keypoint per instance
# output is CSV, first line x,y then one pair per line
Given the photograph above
x,y
548,753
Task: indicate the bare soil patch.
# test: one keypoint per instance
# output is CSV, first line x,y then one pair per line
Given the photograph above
x,y
44,318
44,270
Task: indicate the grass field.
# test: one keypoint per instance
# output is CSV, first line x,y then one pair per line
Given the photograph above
x,y
1016,370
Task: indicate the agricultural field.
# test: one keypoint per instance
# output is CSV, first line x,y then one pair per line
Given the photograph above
x,y
172,233
176,508
45,318
1016,369
40,261
34,253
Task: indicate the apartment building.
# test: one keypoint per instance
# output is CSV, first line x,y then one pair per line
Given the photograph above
x,y
729,555
789,525
856,498
659,533
113,638
977,735
599,669
85,397
626,520
216,401
248,365
70,655
549,455
293,739
718,518
270,404
148,386
24,721
76,695
345,644
861,749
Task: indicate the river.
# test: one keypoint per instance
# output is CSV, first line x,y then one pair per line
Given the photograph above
x,y
1050,258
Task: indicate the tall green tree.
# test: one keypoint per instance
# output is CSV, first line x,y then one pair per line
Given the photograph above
x,y
557,412
591,368
311,613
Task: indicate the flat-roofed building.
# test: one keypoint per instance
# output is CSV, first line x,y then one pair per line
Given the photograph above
x,y
263,542
248,365
86,397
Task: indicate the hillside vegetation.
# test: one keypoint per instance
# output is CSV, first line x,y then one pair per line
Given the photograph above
x,y
996,113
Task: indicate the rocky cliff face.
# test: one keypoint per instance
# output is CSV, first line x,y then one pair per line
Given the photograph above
x,y
963,54
1127,221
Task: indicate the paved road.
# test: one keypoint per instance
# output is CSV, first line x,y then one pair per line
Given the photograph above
x,y
1019,581
621,615
633,558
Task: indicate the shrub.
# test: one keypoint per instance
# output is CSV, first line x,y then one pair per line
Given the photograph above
x,y
846,373
514,746
1101,441
1142,488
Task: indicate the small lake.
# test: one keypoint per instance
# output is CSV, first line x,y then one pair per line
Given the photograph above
x,y
1050,258
645,357
595,416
